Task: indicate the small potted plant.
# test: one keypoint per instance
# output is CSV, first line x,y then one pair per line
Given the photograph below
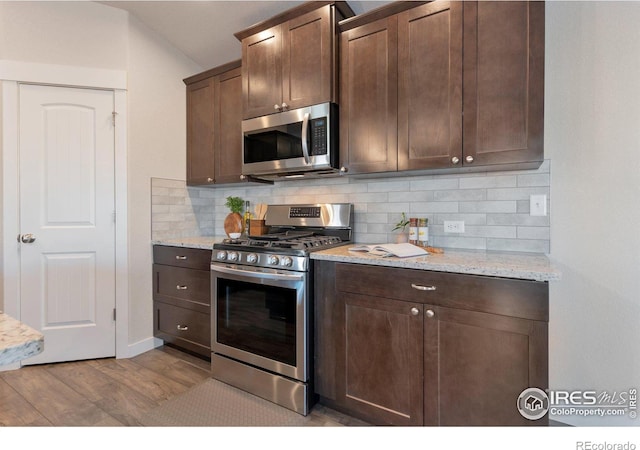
x,y
233,225
401,225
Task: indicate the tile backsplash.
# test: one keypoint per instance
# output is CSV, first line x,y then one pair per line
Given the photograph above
x,y
493,205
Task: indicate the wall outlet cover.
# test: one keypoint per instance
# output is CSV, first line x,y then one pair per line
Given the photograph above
x,y
454,226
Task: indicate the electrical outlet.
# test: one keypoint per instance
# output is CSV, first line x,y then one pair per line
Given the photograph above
x,y
454,226
538,205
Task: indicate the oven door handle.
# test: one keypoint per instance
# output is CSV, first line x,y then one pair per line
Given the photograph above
x,y
260,275
305,138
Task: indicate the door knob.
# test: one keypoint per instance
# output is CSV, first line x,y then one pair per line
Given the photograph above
x,y
26,238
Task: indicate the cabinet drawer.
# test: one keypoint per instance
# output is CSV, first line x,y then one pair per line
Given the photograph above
x,y
187,288
194,258
183,327
509,297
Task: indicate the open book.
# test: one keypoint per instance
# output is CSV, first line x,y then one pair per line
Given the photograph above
x,y
400,250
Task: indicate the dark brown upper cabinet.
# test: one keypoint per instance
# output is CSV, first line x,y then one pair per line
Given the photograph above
x,y
214,117
503,71
289,61
443,85
369,97
430,85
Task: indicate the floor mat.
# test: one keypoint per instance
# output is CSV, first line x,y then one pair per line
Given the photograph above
x,y
216,404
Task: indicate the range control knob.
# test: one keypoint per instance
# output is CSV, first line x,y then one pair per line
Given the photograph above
x,y
232,256
252,258
287,261
273,260
221,255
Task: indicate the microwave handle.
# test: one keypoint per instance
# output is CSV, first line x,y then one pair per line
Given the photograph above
x,y
305,138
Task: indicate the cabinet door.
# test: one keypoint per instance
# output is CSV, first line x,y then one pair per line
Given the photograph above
x,y
369,97
503,70
200,120
477,364
307,59
382,360
430,86
228,148
262,73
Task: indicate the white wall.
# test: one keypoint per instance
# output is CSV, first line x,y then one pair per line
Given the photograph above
x,y
157,147
88,34
592,136
68,33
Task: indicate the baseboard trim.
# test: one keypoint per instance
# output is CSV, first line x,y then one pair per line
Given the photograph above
x,y
142,346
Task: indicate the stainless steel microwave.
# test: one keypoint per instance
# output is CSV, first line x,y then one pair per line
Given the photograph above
x,y
296,143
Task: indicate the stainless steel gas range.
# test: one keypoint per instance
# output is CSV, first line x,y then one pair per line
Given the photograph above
x,y
262,302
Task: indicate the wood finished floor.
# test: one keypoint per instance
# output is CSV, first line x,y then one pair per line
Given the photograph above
x,y
110,392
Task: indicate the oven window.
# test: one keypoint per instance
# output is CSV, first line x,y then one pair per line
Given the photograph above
x,y
258,319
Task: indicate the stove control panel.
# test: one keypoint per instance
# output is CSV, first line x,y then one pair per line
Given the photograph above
x,y
298,263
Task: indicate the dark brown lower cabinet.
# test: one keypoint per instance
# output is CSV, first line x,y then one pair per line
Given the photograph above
x,y
182,298
391,354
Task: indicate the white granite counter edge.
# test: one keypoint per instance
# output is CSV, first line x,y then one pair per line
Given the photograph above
x,y
497,264
17,340
203,242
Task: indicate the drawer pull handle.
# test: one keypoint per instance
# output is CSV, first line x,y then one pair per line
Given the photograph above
x,y
182,327
181,287
180,257
423,288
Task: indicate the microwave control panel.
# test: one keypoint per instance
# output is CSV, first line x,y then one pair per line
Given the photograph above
x,y
318,136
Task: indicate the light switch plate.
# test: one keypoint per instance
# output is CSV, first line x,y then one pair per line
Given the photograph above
x,y
538,205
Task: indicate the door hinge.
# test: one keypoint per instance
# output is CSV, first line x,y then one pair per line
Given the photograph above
x,y
114,314
113,117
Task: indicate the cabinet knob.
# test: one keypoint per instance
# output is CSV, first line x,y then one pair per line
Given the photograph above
x,y
284,106
429,313
469,159
276,107
344,169
415,311
181,287
209,180
182,327
455,160
243,177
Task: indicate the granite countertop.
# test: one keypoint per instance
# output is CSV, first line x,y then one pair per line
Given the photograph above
x,y
205,242
526,266
17,340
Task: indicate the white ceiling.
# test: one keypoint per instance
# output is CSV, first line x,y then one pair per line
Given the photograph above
x,y
203,30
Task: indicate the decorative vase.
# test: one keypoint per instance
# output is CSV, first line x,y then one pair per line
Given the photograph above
x,y
402,238
233,224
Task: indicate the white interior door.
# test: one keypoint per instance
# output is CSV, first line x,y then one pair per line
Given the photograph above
x,y
67,274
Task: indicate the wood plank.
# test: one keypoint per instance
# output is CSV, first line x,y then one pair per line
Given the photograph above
x,y
56,401
124,404
16,411
147,382
171,367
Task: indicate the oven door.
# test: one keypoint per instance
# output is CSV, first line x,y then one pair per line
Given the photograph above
x,y
260,317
